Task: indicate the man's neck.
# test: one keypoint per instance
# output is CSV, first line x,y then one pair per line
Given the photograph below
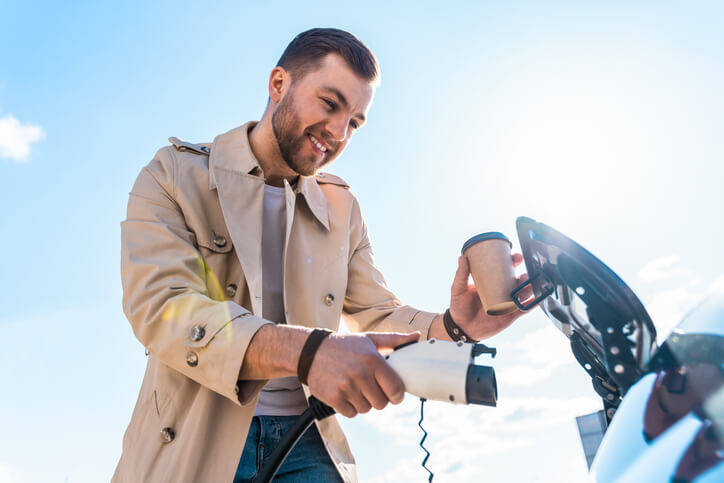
x,y
264,145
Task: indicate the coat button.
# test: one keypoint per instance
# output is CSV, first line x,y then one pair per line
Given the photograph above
x,y
219,241
329,299
167,435
192,359
231,290
197,333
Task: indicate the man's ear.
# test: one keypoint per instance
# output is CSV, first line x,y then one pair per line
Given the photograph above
x,y
279,81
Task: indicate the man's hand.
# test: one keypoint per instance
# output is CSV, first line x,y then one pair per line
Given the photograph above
x,y
467,310
349,374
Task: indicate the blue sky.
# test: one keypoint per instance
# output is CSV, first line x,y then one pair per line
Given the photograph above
x,y
602,120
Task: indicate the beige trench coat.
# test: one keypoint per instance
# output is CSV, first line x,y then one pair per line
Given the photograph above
x,y
192,291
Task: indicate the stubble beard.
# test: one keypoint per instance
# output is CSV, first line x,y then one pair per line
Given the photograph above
x,y
285,124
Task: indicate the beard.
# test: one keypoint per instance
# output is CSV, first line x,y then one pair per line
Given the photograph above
x,y
285,125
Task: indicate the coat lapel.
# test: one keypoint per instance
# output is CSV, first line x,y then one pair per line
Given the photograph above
x,y
316,200
241,195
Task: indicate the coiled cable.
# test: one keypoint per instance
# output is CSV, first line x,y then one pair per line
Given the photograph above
x,y
422,441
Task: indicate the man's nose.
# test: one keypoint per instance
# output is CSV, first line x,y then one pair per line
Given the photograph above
x,y
337,128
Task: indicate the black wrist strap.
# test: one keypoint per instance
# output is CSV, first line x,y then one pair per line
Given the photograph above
x,y
455,332
308,351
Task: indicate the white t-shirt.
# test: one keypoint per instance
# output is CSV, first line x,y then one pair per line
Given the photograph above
x,y
281,396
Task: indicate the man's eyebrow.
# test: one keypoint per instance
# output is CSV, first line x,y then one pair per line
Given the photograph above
x,y
343,100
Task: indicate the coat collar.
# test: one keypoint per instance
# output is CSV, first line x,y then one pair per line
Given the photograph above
x,y
231,152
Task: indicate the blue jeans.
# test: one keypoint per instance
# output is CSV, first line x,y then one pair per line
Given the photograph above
x,y
307,461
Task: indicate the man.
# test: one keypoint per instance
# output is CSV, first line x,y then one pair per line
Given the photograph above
x,y
233,252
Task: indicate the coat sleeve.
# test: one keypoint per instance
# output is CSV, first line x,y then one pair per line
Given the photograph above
x,y
369,305
165,293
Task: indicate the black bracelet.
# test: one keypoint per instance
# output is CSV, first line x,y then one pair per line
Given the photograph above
x,y
308,351
455,332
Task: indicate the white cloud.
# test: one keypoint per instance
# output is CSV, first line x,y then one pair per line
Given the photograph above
x,y
524,375
16,138
457,458
668,307
670,304
663,268
8,474
717,286
540,352
460,437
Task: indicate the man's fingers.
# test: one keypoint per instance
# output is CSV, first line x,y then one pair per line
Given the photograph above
x,y
460,282
390,340
359,402
374,394
390,383
527,292
517,259
345,409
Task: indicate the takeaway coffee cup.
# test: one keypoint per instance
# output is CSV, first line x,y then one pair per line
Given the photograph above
x,y
491,265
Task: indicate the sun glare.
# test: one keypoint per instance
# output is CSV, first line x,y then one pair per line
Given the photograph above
x,y
571,151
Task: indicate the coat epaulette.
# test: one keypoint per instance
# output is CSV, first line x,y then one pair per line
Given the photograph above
x,y
184,146
323,178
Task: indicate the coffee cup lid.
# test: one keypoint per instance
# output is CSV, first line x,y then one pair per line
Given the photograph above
x,y
489,235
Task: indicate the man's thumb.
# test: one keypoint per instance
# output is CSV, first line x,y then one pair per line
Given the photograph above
x,y
390,340
460,282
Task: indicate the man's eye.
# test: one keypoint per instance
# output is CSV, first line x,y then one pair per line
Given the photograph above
x,y
354,124
331,105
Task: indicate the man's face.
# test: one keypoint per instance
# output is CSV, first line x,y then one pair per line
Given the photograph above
x,y
319,113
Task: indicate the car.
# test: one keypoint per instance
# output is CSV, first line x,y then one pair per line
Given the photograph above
x,y
663,404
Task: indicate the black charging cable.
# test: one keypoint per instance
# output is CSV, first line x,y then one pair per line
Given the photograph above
x,y
316,410
424,436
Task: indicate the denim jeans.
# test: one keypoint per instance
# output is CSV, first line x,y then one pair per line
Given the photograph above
x,y
307,461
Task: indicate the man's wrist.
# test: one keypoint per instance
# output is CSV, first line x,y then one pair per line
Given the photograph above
x,y
273,352
437,329
454,331
309,350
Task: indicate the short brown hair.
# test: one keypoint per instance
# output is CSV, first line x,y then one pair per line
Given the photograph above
x,y
306,51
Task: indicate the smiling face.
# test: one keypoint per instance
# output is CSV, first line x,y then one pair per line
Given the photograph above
x,y
319,113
